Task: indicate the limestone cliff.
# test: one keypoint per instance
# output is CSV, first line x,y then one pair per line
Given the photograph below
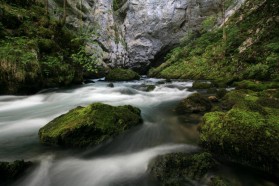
x,y
135,33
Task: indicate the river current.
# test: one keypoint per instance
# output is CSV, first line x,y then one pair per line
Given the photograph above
x,y
121,161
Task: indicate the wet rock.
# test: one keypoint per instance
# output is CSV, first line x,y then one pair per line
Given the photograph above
x,y
122,75
181,168
111,85
11,171
145,88
193,104
91,125
161,82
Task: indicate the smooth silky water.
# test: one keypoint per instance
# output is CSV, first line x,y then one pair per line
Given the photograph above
x,y
121,161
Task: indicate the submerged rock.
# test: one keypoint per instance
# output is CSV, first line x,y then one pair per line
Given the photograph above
x,y
180,168
111,85
119,74
10,171
193,104
144,87
248,133
91,125
202,85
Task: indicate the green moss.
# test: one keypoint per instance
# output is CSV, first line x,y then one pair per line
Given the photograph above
x,y
119,74
256,85
11,171
89,125
247,133
178,168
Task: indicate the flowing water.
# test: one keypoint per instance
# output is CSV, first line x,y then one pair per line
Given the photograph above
x,y
121,161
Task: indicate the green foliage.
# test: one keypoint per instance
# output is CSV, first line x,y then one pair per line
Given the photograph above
x,y
38,50
209,23
87,61
89,125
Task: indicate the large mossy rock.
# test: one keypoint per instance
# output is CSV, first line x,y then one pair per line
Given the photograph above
x,y
180,168
248,133
91,125
10,171
193,104
119,74
202,85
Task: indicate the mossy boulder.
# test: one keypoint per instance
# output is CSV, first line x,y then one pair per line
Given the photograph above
x,y
10,171
119,74
256,85
193,104
202,85
91,125
248,133
180,168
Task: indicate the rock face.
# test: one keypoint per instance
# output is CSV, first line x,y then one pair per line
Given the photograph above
x,y
91,125
135,33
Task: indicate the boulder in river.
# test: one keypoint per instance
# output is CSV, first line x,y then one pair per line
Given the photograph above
x,y
91,125
180,168
119,74
193,104
202,85
10,171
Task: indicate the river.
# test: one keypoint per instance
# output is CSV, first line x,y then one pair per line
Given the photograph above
x,y
121,161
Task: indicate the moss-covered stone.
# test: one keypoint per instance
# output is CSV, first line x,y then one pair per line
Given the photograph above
x,y
119,74
10,171
178,168
193,104
91,125
256,85
248,133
